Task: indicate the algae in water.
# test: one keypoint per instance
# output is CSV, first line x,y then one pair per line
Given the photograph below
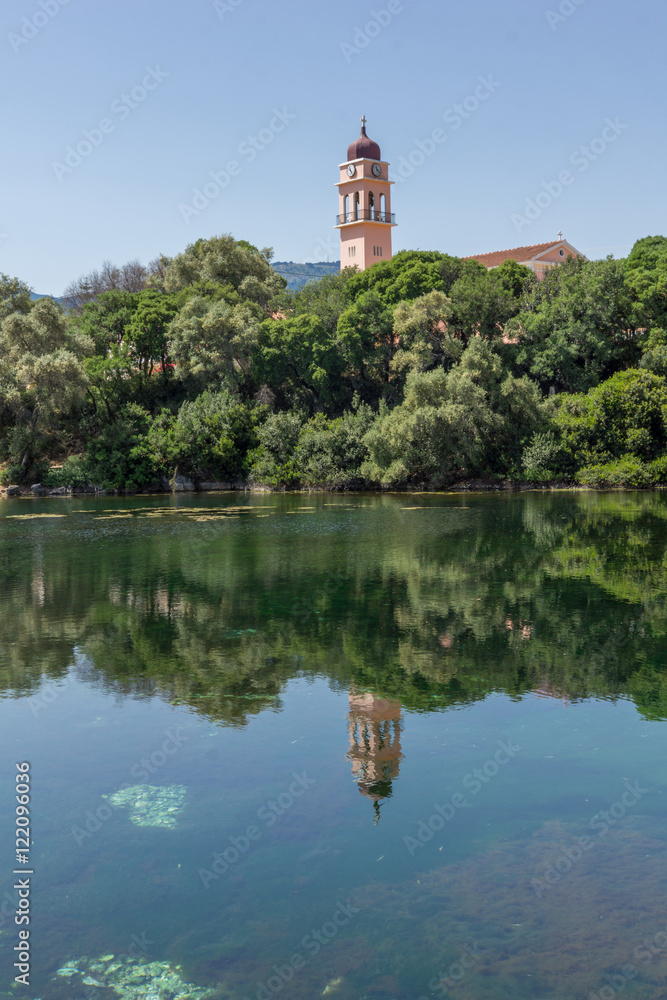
x,y
151,805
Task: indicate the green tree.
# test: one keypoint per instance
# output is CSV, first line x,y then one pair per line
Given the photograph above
x,y
120,456
112,383
212,342
15,296
210,436
109,368
105,318
646,269
330,453
654,352
516,404
146,335
41,380
227,262
574,327
483,301
366,339
625,415
273,459
514,278
327,299
437,433
473,419
300,362
410,274
421,334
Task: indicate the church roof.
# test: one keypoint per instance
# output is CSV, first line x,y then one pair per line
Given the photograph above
x,y
520,254
363,147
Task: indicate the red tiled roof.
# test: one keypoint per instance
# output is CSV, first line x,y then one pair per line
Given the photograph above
x,y
517,253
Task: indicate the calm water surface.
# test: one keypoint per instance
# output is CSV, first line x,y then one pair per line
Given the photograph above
x,y
354,747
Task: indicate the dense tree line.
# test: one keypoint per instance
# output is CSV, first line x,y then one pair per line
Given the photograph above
x,y
423,369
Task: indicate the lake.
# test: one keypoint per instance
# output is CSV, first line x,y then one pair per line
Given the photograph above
x,y
344,746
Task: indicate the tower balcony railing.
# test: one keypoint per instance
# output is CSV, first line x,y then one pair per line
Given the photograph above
x,y
366,215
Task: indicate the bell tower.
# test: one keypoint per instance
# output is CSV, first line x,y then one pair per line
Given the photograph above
x,y
374,726
364,211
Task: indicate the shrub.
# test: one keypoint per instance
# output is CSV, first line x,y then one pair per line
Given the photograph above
x,y
624,416
212,435
655,360
119,458
75,472
543,458
272,461
21,449
627,471
331,452
658,470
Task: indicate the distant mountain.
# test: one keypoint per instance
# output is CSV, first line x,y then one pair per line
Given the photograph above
x,y
298,275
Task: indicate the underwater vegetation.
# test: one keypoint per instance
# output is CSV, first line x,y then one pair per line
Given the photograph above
x,y
151,805
131,979
543,918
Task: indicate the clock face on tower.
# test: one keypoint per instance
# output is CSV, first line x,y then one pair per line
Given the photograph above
x,y
351,170
377,170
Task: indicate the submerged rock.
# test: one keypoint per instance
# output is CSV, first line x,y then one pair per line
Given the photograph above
x,y
180,484
151,805
231,484
70,969
134,978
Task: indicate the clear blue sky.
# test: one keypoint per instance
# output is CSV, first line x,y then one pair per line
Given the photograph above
x,y
556,71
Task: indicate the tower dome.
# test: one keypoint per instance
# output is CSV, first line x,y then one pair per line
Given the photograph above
x,y
363,147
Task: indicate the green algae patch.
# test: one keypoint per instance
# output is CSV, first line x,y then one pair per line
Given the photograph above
x,y
132,979
151,805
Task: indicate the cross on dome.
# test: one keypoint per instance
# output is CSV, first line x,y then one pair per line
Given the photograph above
x,y
363,147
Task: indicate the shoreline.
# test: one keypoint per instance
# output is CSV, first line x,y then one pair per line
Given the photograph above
x,y
463,487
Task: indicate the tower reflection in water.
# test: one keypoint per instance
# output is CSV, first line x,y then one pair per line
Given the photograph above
x,y
375,745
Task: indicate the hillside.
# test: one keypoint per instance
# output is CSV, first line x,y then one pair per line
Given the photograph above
x,y
298,275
